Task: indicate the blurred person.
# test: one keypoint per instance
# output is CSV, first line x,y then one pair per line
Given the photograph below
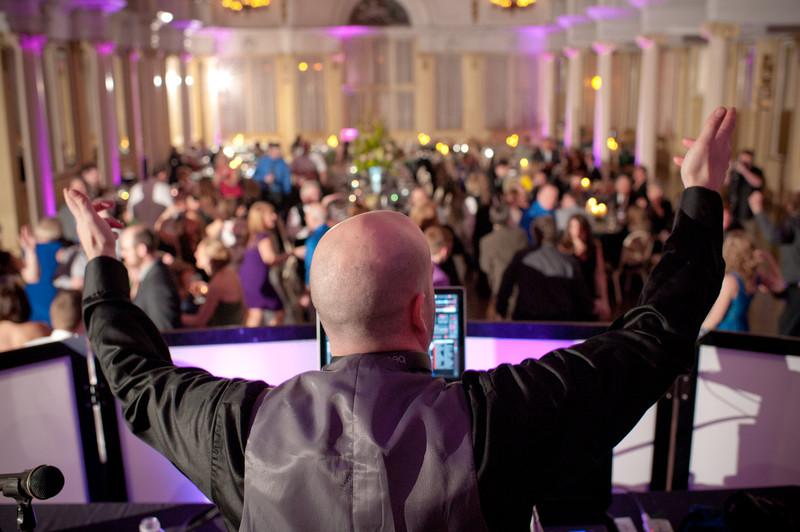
x,y
550,283
440,248
274,175
568,207
67,320
154,288
26,267
639,186
746,269
224,298
621,200
296,228
92,178
64,215
41,293
544,205
579,241
261,258
499,247
226,179
150,198
787,236
744,178
16,328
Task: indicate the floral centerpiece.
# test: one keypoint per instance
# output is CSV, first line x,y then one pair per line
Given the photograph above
x,y
373,148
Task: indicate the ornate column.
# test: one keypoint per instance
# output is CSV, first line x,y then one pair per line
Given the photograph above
x,y
213,124
135,112
646,134
718,34
108,143
34,127
574,99
186,108
9,210
602,103
547,90
793,156
472,75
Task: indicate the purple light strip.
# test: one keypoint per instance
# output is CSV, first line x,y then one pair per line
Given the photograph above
x,y
348,32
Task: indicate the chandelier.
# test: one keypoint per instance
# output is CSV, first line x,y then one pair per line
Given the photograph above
x,y
512,4
239,5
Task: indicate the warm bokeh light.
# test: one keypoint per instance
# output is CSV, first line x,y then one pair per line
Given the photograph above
x,y
597,82
333,141
423,138
354,183
123,195
591,202
318,67
523,163
442,148
612,143
303,66
513,140
235,163
586,182
228,151
353,198
238,139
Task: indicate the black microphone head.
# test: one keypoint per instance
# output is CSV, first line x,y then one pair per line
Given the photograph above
x,y
44,482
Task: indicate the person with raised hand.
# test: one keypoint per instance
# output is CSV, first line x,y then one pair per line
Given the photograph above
x,y
374,441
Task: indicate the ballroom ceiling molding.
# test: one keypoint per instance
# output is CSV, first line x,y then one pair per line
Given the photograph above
x,y
200,26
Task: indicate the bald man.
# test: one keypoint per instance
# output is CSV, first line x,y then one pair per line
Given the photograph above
x,y
373,442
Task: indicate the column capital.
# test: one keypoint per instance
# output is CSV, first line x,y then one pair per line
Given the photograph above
x,y
105,47
604,47
572,51
32,43
548,56
721,30
646,42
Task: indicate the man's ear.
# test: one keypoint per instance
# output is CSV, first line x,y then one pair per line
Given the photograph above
x,y
418,315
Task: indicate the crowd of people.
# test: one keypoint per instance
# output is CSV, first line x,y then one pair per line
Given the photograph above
x,y
535,234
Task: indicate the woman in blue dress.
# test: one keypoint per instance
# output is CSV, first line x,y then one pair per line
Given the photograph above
x,y
746,269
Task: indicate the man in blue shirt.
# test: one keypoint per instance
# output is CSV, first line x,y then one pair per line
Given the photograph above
x,y
273,174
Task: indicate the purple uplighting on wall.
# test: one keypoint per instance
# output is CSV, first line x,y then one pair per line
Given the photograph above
x,y
107,6
348,32
567,21
32,43
610,12
105,47
46,169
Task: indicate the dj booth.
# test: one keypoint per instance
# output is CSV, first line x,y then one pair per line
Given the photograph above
x,y
729,425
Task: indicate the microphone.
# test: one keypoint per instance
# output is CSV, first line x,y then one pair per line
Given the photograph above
x,y
41,482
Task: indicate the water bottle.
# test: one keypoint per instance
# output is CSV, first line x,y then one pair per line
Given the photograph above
x,y
150,524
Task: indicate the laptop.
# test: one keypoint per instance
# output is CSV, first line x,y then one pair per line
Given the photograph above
x,y
449,334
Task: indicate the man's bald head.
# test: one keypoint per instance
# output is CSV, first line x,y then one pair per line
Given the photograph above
x,y
371,284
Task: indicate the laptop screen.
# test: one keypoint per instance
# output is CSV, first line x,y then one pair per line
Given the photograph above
x,y
449,334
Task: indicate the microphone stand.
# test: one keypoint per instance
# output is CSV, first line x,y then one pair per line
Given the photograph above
x,y
26,519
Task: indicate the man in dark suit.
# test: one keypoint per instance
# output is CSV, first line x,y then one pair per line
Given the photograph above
x,y
154,288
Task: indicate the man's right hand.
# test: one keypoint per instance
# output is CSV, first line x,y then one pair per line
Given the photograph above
x,y
708,157
756,201
94,233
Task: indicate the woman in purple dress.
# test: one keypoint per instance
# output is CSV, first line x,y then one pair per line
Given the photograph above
x,y
263,303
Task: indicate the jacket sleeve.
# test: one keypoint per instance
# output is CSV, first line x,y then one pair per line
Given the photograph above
x,y
198,421
535,422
